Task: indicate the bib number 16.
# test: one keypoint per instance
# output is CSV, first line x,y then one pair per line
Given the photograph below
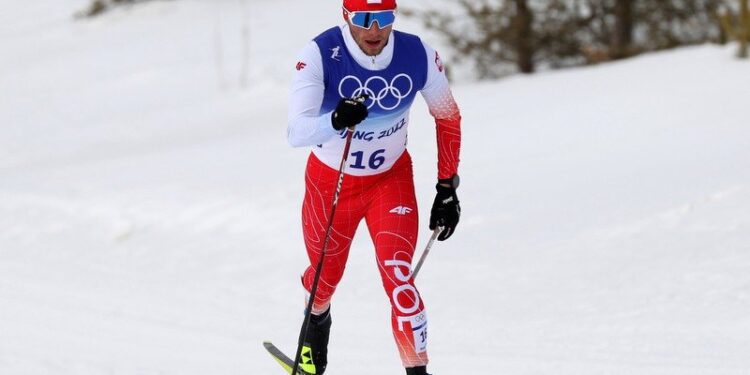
x,y
375,160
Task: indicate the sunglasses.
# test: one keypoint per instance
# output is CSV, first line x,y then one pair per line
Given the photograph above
x,y
384,18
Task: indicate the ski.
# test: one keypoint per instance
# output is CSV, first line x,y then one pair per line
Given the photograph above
x,y
282,359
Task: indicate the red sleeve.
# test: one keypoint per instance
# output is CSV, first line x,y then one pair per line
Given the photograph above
x,y
448,145
444,109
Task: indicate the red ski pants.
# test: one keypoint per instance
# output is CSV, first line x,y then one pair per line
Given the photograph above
x,y
388,204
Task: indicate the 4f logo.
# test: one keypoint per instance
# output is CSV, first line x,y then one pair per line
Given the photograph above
x,y
401,210
301,65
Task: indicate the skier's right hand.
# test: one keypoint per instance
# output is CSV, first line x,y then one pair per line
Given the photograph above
x,y
349,112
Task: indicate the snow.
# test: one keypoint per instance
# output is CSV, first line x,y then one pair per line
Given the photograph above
x,y
149,206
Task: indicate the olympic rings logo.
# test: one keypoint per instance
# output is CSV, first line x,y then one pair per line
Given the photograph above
x,y
387,97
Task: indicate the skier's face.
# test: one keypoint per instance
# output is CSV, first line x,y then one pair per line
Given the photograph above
x,y
371,41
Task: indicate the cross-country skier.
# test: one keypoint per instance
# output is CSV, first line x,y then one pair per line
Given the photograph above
x,y
366,59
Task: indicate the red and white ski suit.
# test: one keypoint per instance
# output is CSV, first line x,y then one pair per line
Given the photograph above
x,y
383,196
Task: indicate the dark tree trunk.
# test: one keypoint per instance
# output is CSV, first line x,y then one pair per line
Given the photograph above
x,y
622,37
744,28
524,37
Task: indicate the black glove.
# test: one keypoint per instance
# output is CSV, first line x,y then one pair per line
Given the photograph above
x,y
349,112
445,211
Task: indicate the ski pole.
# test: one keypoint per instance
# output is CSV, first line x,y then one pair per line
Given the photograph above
x,y
319,267
426,251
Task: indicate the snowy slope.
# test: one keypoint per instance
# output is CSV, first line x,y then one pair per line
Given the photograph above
x,y
149,206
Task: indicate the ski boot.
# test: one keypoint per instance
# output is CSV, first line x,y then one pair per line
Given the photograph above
x,y
421,370
315,348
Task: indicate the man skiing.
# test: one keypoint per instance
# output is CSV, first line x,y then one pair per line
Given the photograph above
x,y
363,76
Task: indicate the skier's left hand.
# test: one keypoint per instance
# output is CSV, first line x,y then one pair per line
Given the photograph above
x,y
445,211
